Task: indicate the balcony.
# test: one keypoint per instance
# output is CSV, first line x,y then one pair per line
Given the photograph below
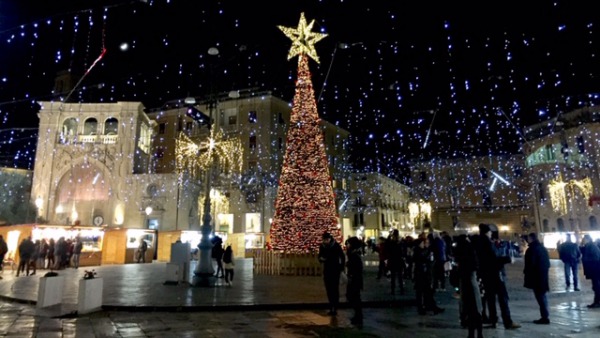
x,y
96,139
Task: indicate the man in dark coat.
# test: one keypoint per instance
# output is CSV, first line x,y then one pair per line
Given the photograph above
x,y
537,265
355,279
570,255
396,253
470,296
591,267
333,258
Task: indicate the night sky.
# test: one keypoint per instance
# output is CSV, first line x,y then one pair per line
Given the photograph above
x,y
416,80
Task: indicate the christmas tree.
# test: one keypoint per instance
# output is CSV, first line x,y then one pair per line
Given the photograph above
x,y
305,204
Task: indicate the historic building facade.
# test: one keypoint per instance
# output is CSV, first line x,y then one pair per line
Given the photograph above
x,y
114,164
562,157
465,192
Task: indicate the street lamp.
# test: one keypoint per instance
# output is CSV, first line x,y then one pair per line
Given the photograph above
x,y
202,155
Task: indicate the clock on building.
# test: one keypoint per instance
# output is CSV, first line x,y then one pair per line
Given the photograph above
x,y
98,220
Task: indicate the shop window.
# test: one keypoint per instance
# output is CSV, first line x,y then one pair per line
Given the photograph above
x,y
232,120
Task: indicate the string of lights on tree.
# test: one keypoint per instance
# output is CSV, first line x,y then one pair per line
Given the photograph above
x,y
305,204
409,82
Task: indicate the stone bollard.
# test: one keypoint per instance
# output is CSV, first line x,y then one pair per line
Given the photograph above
x,y
89,298
50,291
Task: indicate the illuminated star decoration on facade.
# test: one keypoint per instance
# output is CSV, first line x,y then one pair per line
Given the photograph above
x,y
303,40
197,156
558,195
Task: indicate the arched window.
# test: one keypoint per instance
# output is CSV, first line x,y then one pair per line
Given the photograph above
x,y
90,126
111,126
593,223
69,130
561,225
545,225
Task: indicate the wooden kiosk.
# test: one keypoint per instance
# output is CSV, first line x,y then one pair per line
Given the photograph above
x,y
121,245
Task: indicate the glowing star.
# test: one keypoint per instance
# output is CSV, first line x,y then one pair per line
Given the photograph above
x,y
303,40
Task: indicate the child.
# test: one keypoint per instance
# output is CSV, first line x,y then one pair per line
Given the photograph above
x,y
228,265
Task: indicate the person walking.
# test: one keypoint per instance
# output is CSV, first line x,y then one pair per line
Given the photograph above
x,y
77,252
591,267
470,307
354,272
333,260
570,255
228,265
537,265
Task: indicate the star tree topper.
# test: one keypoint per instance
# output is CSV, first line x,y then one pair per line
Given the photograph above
x,y
303,40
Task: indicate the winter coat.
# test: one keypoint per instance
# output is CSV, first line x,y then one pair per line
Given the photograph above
x,y
355,270
423,267
569,253
591,261
537,265
333,258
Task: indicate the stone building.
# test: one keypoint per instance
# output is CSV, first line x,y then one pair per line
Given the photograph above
x,y
113,164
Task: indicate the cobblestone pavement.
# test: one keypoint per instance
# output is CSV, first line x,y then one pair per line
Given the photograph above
x,y
262,313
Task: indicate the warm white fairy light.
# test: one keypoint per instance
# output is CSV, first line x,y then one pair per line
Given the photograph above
x,y
558,193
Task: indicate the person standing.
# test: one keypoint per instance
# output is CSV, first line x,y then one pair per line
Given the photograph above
x,y
50,255
142,248
470,296
591,267
438,246
537,265
423,274
396,254
228,265
77,252
217,254
26,249
333,259
503,257
382,254
570,255
355,279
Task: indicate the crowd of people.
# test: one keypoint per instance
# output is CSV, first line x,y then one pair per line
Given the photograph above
x,y
473,264
44,254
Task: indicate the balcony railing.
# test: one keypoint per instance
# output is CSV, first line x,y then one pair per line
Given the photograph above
x,y
97,139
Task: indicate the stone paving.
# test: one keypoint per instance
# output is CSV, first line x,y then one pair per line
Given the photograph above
x,y
137,304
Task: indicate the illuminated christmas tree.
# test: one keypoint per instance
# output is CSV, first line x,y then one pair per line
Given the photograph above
x,y
305,204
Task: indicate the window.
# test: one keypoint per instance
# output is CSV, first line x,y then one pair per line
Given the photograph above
x,y
161,128
454,196
252,165
252,116
542,192
487,197
450,174
90,126
483,173
545,225
232,120
179,124
550,152
160,152
280,119
111,126
252,142
561,225
593,223
189,126
280,143
518,171
422,176
580,144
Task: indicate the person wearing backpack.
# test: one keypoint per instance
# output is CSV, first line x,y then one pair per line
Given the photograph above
x,y
228,265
